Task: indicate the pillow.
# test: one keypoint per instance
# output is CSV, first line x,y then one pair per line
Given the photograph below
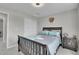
x,y
44,33
51,33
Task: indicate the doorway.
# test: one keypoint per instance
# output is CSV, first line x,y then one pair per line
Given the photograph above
x,y
1,29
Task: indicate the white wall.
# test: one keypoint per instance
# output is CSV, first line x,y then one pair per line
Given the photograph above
x,y
66,19
78,21
20,25
15,28
30,26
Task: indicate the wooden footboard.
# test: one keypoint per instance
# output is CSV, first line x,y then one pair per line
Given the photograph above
x,y
30,47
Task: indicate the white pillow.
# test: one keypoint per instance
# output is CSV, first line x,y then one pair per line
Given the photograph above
x,y
54,33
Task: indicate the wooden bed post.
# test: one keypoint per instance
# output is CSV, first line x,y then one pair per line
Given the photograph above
x,y
45,50
18,43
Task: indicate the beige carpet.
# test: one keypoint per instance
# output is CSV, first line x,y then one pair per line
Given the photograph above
x,y
5,51
64,51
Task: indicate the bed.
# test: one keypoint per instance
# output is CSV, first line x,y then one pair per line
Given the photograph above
x,y
40,44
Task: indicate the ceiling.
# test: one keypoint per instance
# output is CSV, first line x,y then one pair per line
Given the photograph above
x,y
46,10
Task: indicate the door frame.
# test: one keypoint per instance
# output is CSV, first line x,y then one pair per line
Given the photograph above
x,y
5,26
3,18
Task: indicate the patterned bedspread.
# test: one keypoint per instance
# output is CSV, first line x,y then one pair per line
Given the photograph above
x,y
52,42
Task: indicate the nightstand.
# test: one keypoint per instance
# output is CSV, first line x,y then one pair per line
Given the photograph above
x,y
70,43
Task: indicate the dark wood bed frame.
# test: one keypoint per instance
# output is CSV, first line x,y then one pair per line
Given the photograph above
x,y
30,47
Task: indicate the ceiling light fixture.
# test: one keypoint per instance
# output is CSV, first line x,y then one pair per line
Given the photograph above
x,y
37,4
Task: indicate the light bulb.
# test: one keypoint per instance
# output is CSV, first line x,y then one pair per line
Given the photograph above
x,y
37,4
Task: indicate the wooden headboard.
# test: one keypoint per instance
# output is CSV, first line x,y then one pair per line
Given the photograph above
x,y
53,28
